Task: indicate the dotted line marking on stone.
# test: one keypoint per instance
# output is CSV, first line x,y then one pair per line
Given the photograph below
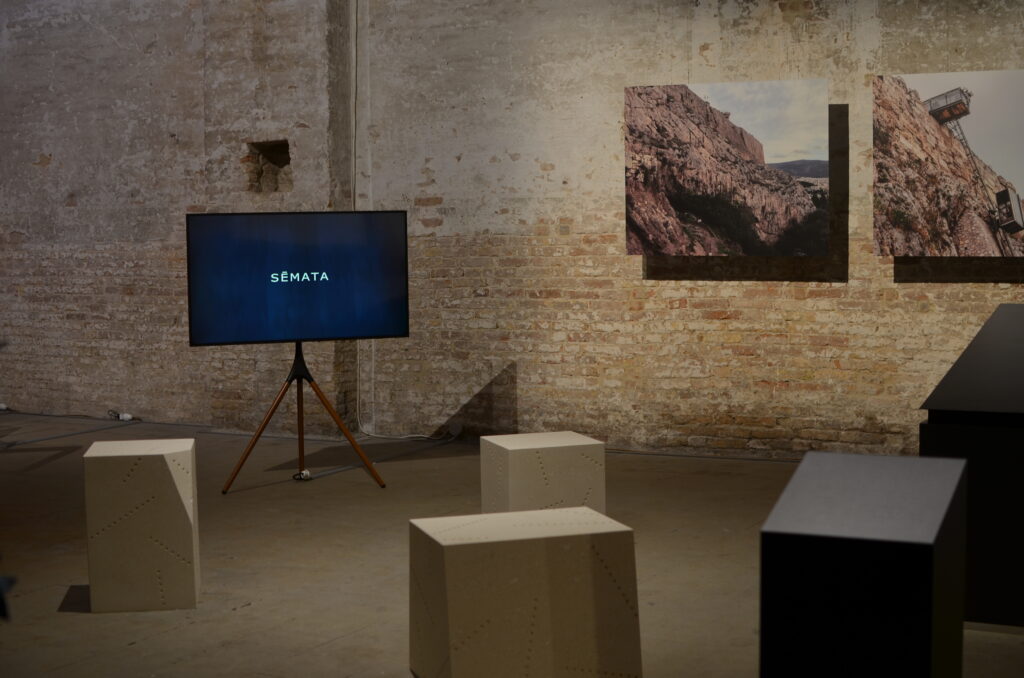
x,y
581,523
615,582
590,458
586,497
160,586
543,471
124,517
553,523
131,470
472,635
181,466
530,640
460,525
169,550
554,504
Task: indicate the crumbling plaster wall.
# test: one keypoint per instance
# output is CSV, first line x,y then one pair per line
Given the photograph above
x,y
116,119
499,126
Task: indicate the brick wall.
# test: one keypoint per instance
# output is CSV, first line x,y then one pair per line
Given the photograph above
x,y
499,126
116,120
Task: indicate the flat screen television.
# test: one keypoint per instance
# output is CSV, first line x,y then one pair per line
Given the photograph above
x,y
296,276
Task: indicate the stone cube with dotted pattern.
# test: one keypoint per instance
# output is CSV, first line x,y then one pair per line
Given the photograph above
x,y
527,471
547,593
140,506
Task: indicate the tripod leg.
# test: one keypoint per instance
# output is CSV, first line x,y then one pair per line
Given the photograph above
x,y
348,435
256,436
302,454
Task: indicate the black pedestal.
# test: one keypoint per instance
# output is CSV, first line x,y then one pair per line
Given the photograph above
x,y
977,413
862,569
995,510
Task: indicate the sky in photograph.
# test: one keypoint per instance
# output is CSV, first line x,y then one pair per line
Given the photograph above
x,y
788,117
993,127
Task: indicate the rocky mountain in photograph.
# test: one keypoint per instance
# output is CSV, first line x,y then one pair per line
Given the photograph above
x,y
927,200
697,184
817,169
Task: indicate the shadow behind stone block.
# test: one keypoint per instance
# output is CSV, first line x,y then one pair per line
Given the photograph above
x,y
76,599
492,411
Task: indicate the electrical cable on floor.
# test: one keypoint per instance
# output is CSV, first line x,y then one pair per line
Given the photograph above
x,y
448,435
8,410
407,436
687,455
123,416
355,194
16,443
352,467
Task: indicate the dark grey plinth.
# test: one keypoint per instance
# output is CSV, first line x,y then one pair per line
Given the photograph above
x,y
977,413
862,569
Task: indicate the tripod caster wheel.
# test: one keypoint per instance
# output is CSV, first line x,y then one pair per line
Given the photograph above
x,y
304,474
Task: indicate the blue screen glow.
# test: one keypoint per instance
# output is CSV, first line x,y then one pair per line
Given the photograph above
x,y
259,278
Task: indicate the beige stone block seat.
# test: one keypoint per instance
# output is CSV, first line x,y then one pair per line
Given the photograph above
x,y
526,471
540,594
140,505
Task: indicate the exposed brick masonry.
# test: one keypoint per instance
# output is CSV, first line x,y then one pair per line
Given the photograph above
x,y
498,126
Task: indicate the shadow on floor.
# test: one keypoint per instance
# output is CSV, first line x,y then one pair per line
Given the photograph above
x,y
379,451
76,599
58,453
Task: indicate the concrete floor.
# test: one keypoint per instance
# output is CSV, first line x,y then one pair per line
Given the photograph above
x,y
310,579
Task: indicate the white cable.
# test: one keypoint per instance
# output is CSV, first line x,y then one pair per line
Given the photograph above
x,y
369,199
373,403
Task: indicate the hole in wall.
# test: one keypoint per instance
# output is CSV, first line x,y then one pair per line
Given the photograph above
x,y
268,164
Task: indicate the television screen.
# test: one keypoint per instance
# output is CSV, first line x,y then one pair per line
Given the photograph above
x,y
296,276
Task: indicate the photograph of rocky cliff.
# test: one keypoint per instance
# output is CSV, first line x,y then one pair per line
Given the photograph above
x,y
947,151
727,169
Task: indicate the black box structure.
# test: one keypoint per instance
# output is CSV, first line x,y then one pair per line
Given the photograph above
x,y
977,413
862,569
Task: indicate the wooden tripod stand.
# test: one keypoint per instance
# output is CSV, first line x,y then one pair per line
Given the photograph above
x,y
301,373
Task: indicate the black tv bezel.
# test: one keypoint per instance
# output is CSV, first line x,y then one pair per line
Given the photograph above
x,y
188,275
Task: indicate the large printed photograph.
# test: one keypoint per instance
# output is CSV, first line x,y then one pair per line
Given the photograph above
x,y
948,158
728,169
